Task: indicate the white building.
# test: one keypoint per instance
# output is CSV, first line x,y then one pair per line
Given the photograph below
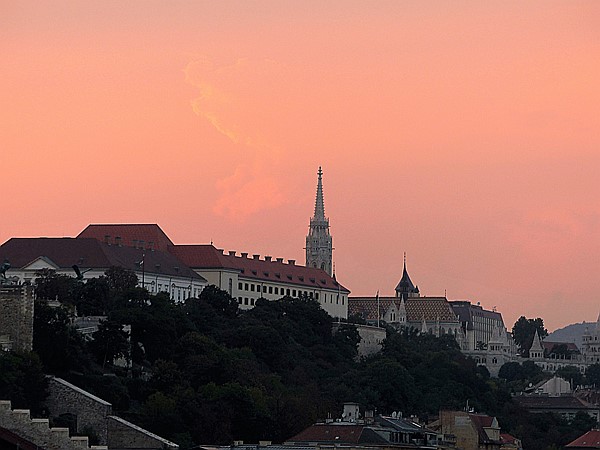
x,y
157,271
246,278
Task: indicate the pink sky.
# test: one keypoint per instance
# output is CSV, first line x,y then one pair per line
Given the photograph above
x,y
464,133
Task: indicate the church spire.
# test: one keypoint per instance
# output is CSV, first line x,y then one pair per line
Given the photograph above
x,y
319,202
319,249
405,286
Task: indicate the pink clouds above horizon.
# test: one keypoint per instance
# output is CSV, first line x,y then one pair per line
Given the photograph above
x,y
464,133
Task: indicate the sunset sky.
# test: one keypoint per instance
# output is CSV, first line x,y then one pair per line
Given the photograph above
x,y
464,133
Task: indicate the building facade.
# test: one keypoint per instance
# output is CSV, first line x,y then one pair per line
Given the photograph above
x,y
156,270
245,277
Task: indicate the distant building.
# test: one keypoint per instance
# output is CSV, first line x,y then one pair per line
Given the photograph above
x,y
480,333
319,245
357,432
471,431
565,406
156,270
245,277
589,440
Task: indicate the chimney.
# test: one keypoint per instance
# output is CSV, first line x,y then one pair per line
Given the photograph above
x,y
292,262
255,256
244,254
231,252
279,260
268,258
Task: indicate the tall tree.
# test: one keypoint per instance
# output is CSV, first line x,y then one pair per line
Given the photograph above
x,y
523,332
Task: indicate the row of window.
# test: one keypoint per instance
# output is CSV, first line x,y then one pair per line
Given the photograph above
x,y
251,287
250,300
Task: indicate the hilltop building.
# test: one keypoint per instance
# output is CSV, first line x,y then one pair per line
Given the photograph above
x,y
479,333
180,270
319,245
157,271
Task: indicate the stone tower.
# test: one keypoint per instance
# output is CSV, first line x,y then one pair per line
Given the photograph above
x,y
319,249
16,318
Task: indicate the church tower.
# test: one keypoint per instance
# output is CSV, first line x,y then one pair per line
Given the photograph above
x,y
319,249
405,287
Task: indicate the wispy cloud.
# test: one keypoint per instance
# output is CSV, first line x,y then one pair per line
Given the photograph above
x,y
229,99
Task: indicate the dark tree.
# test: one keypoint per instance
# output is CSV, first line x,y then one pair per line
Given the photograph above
x,y
110,342
523,332
60,347
49,285
220,300
593,374
121,280
22,380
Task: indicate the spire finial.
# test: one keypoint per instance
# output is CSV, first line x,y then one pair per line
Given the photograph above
x,y
319,202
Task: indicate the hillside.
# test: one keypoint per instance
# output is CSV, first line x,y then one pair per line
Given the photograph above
x,y
570,333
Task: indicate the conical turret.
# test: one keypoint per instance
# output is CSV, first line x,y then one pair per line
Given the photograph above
x,y
405,287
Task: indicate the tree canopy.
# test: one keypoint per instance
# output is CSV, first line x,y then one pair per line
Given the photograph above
x,y
523,332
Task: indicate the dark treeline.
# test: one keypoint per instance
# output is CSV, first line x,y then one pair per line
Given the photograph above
x,y
203,371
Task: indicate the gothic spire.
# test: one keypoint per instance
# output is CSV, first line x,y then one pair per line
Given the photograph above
x,y
318,241
319,202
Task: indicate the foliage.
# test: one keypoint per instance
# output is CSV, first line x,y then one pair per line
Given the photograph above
x,y
523,332
60,347
205,371
110,342
22,380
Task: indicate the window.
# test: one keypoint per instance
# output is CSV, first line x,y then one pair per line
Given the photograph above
x,y
230,286
252,301
276,290
246,286
252,287
294,293
317,296
240,286
271,289
240,300
245,300
264,289
287,291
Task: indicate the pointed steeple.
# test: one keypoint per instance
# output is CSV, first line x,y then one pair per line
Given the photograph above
x,y
319,202
536,350
319,245
405,286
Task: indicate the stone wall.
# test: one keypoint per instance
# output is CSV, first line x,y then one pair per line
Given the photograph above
x,y
371,339
91,411
16,317
38,431
123,435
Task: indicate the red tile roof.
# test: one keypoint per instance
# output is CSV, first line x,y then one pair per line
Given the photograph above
x,y
591,439
340,433
149,236
91,253
209,257
481,421
432,308
506,438
572,347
